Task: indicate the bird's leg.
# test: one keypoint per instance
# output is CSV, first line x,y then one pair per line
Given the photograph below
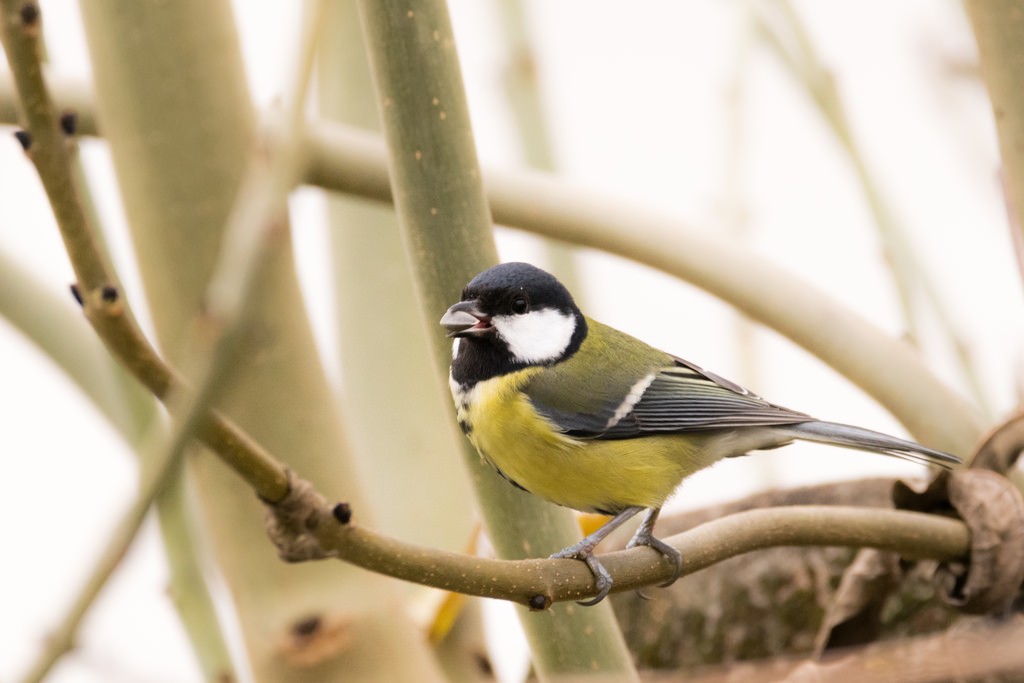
x,y
645,536
584,550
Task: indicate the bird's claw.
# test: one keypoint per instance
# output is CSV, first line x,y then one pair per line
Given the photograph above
x,y
602,579
669,552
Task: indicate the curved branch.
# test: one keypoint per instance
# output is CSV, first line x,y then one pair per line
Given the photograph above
x,y
349,160
102,303
346,159
538,583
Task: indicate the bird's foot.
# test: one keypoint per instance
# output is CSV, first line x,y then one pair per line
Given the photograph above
x,y
673,555
584,550
645,536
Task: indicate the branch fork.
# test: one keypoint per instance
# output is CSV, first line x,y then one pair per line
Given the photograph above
x,y
292,521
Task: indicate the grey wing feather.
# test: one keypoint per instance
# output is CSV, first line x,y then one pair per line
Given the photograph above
x,y
686,398
577,423
679,398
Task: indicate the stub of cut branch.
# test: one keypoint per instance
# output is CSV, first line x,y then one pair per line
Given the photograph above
x,y
291,521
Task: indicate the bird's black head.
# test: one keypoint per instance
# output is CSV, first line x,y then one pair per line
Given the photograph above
x,y
512,316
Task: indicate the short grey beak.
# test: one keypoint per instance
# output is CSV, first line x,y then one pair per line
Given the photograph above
x,y
465,319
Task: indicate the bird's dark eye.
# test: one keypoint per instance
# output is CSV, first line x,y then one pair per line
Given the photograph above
x,y
520,305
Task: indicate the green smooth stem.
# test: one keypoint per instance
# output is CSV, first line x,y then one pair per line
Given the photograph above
x,y
999,30
446,225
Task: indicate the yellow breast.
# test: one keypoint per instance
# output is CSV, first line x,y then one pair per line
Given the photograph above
x,y
585,474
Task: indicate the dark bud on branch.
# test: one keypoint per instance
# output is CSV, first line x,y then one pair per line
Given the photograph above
x,y
23,138
539,603
342,512
306,627
29,14
69,122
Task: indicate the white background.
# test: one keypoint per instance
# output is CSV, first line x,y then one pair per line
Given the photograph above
x,y
637,102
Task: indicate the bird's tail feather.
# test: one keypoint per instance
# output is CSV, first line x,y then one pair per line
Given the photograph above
x,y
865,439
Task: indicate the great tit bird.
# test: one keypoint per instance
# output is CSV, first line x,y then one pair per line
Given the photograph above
x,y
588,417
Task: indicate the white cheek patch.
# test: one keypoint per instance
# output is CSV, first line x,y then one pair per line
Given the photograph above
x,y
538,336
455,348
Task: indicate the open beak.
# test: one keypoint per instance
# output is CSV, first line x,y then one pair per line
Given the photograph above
x,y
465,319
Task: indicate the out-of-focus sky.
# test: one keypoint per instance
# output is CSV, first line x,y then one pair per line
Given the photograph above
x,y
640,103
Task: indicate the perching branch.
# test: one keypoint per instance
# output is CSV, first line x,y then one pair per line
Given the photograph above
x,y
538,583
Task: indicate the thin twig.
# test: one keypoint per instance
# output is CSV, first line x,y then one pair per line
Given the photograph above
x,y
253,229
102,302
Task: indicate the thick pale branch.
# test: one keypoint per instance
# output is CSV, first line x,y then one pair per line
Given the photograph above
x,y
998,28
353,161
447,232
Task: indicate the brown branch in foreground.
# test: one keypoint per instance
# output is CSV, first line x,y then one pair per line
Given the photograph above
x,y
102,302
975,650
306,527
